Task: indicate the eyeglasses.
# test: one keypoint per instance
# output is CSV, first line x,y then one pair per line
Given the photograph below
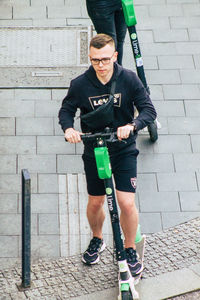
x,y
105,60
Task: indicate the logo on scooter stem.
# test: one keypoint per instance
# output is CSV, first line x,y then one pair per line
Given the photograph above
x,y
133,36
108,191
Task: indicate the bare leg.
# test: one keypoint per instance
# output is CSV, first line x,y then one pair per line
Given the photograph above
x,y
96,214
128,217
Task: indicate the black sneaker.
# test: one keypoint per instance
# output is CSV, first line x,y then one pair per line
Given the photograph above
x,y
134,264
91,255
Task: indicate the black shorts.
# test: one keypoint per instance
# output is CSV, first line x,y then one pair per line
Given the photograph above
x,y
124,169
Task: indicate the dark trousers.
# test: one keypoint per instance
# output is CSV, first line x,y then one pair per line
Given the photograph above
x,y
108,18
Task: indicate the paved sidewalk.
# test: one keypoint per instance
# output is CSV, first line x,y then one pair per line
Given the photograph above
x,y
172,267
168,191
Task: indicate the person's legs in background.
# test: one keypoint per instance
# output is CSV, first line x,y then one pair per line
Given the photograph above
x,y
109,20
121,28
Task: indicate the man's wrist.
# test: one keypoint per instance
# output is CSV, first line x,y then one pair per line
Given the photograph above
x,y
134,125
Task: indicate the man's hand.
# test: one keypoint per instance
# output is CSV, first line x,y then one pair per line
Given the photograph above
x,y
72,135
123,132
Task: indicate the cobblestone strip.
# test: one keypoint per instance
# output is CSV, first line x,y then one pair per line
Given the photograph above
x,y
66,278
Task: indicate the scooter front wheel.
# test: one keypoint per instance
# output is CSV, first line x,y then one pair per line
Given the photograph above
x,y
126,295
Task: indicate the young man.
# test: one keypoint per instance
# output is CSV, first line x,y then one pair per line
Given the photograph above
x,y
107,17
88,92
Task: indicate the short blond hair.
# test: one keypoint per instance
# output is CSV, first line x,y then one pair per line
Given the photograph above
x,y
101,40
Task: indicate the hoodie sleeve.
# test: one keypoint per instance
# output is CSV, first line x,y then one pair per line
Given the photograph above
x,y
143,103
68,109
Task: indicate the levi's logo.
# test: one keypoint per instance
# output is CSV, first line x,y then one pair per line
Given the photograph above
x,y
97,101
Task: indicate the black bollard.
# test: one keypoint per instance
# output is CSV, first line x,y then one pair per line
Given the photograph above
x,y
26,229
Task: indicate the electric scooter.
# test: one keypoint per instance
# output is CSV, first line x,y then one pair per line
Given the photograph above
x,y
127,283
130,19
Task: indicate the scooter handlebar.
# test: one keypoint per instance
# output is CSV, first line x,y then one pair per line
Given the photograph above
x,y
107,135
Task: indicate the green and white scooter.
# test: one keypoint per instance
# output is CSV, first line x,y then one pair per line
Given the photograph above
x,y
127,283
130,19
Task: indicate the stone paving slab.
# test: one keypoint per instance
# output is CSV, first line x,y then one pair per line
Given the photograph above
x,y
41,57
44,47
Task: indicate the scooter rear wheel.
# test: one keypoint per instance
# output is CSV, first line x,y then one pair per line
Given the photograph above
x,y
153,133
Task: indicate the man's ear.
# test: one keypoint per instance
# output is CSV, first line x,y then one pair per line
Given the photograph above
x,y
115,56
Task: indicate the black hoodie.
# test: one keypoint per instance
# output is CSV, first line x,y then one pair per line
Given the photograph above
x,y
87,93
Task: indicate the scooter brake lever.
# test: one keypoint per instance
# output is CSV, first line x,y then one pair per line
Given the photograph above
x,y
113,138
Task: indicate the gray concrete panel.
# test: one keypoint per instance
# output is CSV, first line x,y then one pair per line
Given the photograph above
x,y
171,35
47,2
187,162
159,201
175,218
15,23
176,62
156,92
184,22
191,9
144,144
148,163
7,126
44,203
194,34
158,49
50,23
152,23
182,125
10,183
169,108
47,109
48,224
9,246
195,143
163,76
10,224
192,108
8,203
32,94
8,164
166,10
183,91
173,144
13,108
45,246
146,182
24,77
37,163
17,145
177,182
6,12
190,77
150,222
64,12
69,164
48,183
58,94
7,94
141,2
190,201
54,145
22,12
34,126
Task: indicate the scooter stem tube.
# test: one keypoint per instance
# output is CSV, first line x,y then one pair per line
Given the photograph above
x,y
112,206
137,56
